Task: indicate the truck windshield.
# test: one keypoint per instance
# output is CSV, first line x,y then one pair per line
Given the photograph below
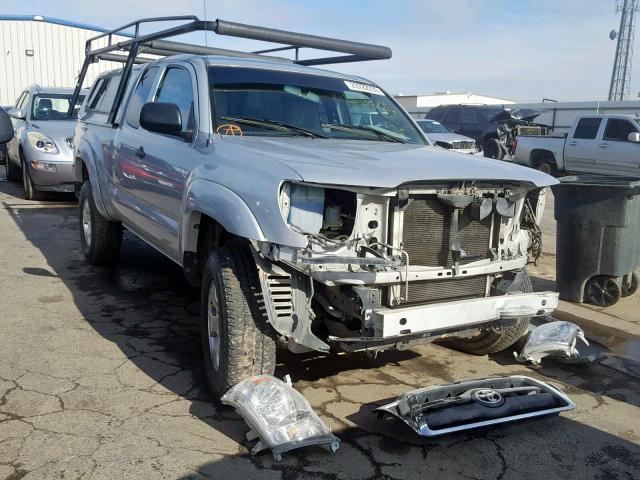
x,y
53,106
278,103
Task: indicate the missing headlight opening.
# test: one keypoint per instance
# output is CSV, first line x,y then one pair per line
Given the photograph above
x,y
328,212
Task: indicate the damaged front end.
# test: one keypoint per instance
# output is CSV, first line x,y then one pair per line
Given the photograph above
x,y
510,125
443,409
384,268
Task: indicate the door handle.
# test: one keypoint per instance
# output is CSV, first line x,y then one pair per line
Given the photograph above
x,y
573,144
140,152
84,129
604,145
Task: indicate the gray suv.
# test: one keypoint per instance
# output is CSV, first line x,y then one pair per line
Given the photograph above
x,y
303,223
41,150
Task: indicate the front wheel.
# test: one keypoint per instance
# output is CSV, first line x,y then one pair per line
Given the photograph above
x,y
493,149
99,237
30,191
237,341
490,341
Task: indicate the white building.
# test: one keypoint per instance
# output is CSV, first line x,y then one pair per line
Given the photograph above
x,y
46,51
448,98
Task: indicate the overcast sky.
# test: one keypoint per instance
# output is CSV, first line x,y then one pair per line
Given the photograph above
x,y
523,50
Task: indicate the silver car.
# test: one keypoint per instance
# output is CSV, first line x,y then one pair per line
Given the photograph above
x,y
441,136
41,150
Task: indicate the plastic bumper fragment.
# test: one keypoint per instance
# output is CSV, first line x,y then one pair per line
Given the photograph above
x,y
443,409
279,417
555,339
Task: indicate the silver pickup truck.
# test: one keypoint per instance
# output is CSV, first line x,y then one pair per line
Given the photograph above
x,y
304,224
605,144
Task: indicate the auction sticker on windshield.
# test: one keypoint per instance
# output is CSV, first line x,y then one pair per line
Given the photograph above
x,y
363,87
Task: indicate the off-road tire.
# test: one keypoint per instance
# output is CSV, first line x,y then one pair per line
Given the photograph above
x,y
106,236
247,342
13,172
30,191
491,342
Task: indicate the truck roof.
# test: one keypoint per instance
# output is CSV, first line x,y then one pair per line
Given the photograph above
x,y
35,88
212,60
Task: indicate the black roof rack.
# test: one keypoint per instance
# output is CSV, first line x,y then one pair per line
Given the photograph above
x,y
154,44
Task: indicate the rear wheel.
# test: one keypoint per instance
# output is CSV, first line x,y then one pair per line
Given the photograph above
x,y
548,167
30,191
490,341
237,341
100,238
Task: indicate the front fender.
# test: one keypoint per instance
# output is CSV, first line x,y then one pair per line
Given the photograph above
x,y
204,197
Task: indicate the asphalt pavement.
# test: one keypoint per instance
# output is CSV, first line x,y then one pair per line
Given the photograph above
x,y
101,378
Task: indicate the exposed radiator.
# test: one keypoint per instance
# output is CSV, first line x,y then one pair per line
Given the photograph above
x,y
444,290
427,239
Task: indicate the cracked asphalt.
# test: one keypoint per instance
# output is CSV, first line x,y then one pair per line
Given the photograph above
x,y
100,378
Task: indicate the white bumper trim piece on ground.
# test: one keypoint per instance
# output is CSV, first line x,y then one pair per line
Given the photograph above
x,y
389,322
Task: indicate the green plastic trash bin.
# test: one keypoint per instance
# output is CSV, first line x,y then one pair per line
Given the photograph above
x,y
597,237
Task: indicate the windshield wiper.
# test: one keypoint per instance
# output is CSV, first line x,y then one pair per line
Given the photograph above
x,y
364,128
275,124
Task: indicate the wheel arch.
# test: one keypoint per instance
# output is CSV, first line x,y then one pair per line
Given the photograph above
x,y
84,168
539,155
213,215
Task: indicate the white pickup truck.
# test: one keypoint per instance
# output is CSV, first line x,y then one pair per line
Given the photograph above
x,y
596,144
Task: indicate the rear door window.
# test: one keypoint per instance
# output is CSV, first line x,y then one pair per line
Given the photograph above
x,y
587,128
435,114
140,96
97,93
21,99
469,117
618,129
105,92
453,116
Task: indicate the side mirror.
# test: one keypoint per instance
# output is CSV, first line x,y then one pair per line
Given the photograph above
x,y
634,137
6,127
16,113
161,118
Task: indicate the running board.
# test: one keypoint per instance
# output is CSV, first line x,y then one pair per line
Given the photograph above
x,y
442,409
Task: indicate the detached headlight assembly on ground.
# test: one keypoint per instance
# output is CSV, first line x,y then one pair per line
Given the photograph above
x,y
278,415
42,143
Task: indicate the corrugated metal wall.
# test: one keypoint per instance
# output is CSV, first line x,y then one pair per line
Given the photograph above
x,y
58,53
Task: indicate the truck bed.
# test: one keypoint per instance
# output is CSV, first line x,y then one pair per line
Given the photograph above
x,y
553,144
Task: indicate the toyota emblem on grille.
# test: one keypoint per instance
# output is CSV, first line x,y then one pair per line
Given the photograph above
x,y
488,397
